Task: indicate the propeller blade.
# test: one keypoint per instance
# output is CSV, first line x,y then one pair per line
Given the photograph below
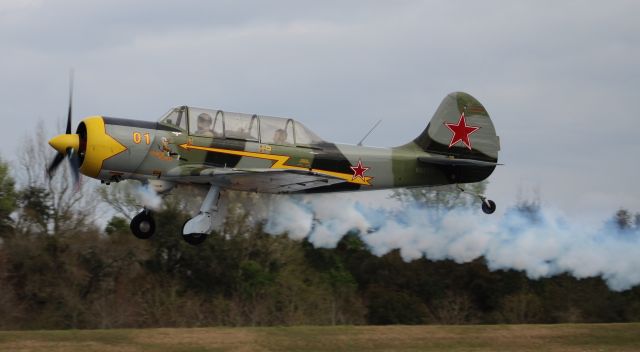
x,y
74,162
74,159
54,164
68,131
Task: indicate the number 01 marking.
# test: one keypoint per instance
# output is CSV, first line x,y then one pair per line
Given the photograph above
x,y
137,138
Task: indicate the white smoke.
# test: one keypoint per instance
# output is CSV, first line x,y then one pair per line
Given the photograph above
x,y
147,197
542,244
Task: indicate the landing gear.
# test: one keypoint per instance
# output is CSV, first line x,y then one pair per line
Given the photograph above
x,y
193,238
488,206
143,225
196,229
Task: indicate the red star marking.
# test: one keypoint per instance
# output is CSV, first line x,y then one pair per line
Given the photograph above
x,y
358,171
461,132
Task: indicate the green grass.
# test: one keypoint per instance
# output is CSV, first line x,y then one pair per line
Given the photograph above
x,y
574,337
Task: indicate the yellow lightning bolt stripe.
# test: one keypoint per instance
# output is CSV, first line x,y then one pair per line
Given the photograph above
x,y
280,162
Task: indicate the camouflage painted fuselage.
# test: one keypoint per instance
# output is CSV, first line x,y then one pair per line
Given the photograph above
x,y
444,153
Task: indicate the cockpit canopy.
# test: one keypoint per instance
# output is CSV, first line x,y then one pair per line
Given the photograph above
x,y
232,125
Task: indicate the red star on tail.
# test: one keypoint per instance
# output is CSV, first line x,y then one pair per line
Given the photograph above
x,y
358,171
461,132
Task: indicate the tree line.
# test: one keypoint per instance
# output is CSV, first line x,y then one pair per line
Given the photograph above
x,y
59,268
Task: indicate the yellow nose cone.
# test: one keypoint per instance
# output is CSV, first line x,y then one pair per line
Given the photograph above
x,y
65,141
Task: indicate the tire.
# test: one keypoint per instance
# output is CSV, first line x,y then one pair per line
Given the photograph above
x,y
143,226
488,206
193,239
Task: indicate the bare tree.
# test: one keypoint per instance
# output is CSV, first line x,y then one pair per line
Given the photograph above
x,y
623,219
121,197
454,308
521,308
70,205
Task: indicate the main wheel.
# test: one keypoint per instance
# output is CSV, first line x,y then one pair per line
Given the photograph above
x,y
143,225
488,206
193,239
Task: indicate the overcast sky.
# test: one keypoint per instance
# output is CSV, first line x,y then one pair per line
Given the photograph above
x,y
559,78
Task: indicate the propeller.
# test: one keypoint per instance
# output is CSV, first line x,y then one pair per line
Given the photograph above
x,y
68,130
67,144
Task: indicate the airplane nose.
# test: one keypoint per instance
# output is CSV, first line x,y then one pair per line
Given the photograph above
x,y
65,141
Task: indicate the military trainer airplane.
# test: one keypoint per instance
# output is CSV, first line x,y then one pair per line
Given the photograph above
x,y
248,152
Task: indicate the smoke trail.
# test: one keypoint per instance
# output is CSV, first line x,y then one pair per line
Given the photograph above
x,y
541,244
147,197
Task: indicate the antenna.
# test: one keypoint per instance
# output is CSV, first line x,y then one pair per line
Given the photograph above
x,y
368,133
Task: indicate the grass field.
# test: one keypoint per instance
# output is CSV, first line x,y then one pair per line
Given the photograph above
x,y
594,337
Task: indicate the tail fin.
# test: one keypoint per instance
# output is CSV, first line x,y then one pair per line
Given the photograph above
x,y
461,128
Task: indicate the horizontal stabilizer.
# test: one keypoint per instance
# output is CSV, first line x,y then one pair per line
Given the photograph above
x,y
439,160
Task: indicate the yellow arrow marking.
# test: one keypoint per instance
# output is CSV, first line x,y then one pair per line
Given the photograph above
x,y
280,162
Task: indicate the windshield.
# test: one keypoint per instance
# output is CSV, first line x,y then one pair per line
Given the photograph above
x,y
175,117
305,136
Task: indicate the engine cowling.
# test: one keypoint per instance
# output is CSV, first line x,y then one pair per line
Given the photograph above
x,y
96,145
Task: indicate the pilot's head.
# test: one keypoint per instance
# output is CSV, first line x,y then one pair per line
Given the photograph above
x,y
204,121
280,136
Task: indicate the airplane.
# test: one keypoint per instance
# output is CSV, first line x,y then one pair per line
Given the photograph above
x,y
255,153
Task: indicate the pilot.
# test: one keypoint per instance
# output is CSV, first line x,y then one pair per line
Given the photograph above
x,y
204,125
280,136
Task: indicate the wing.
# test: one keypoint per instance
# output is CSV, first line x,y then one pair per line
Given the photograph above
x,y
255,180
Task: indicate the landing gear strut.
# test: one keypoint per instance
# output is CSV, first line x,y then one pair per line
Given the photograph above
x,y
488,206
196,229
143,225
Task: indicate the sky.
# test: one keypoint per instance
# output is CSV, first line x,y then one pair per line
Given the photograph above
x,y
559,78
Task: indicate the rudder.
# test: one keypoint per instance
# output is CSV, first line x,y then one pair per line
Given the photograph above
x,y
461,128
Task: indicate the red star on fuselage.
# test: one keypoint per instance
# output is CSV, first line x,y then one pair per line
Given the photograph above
x,y
358,171
461,132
